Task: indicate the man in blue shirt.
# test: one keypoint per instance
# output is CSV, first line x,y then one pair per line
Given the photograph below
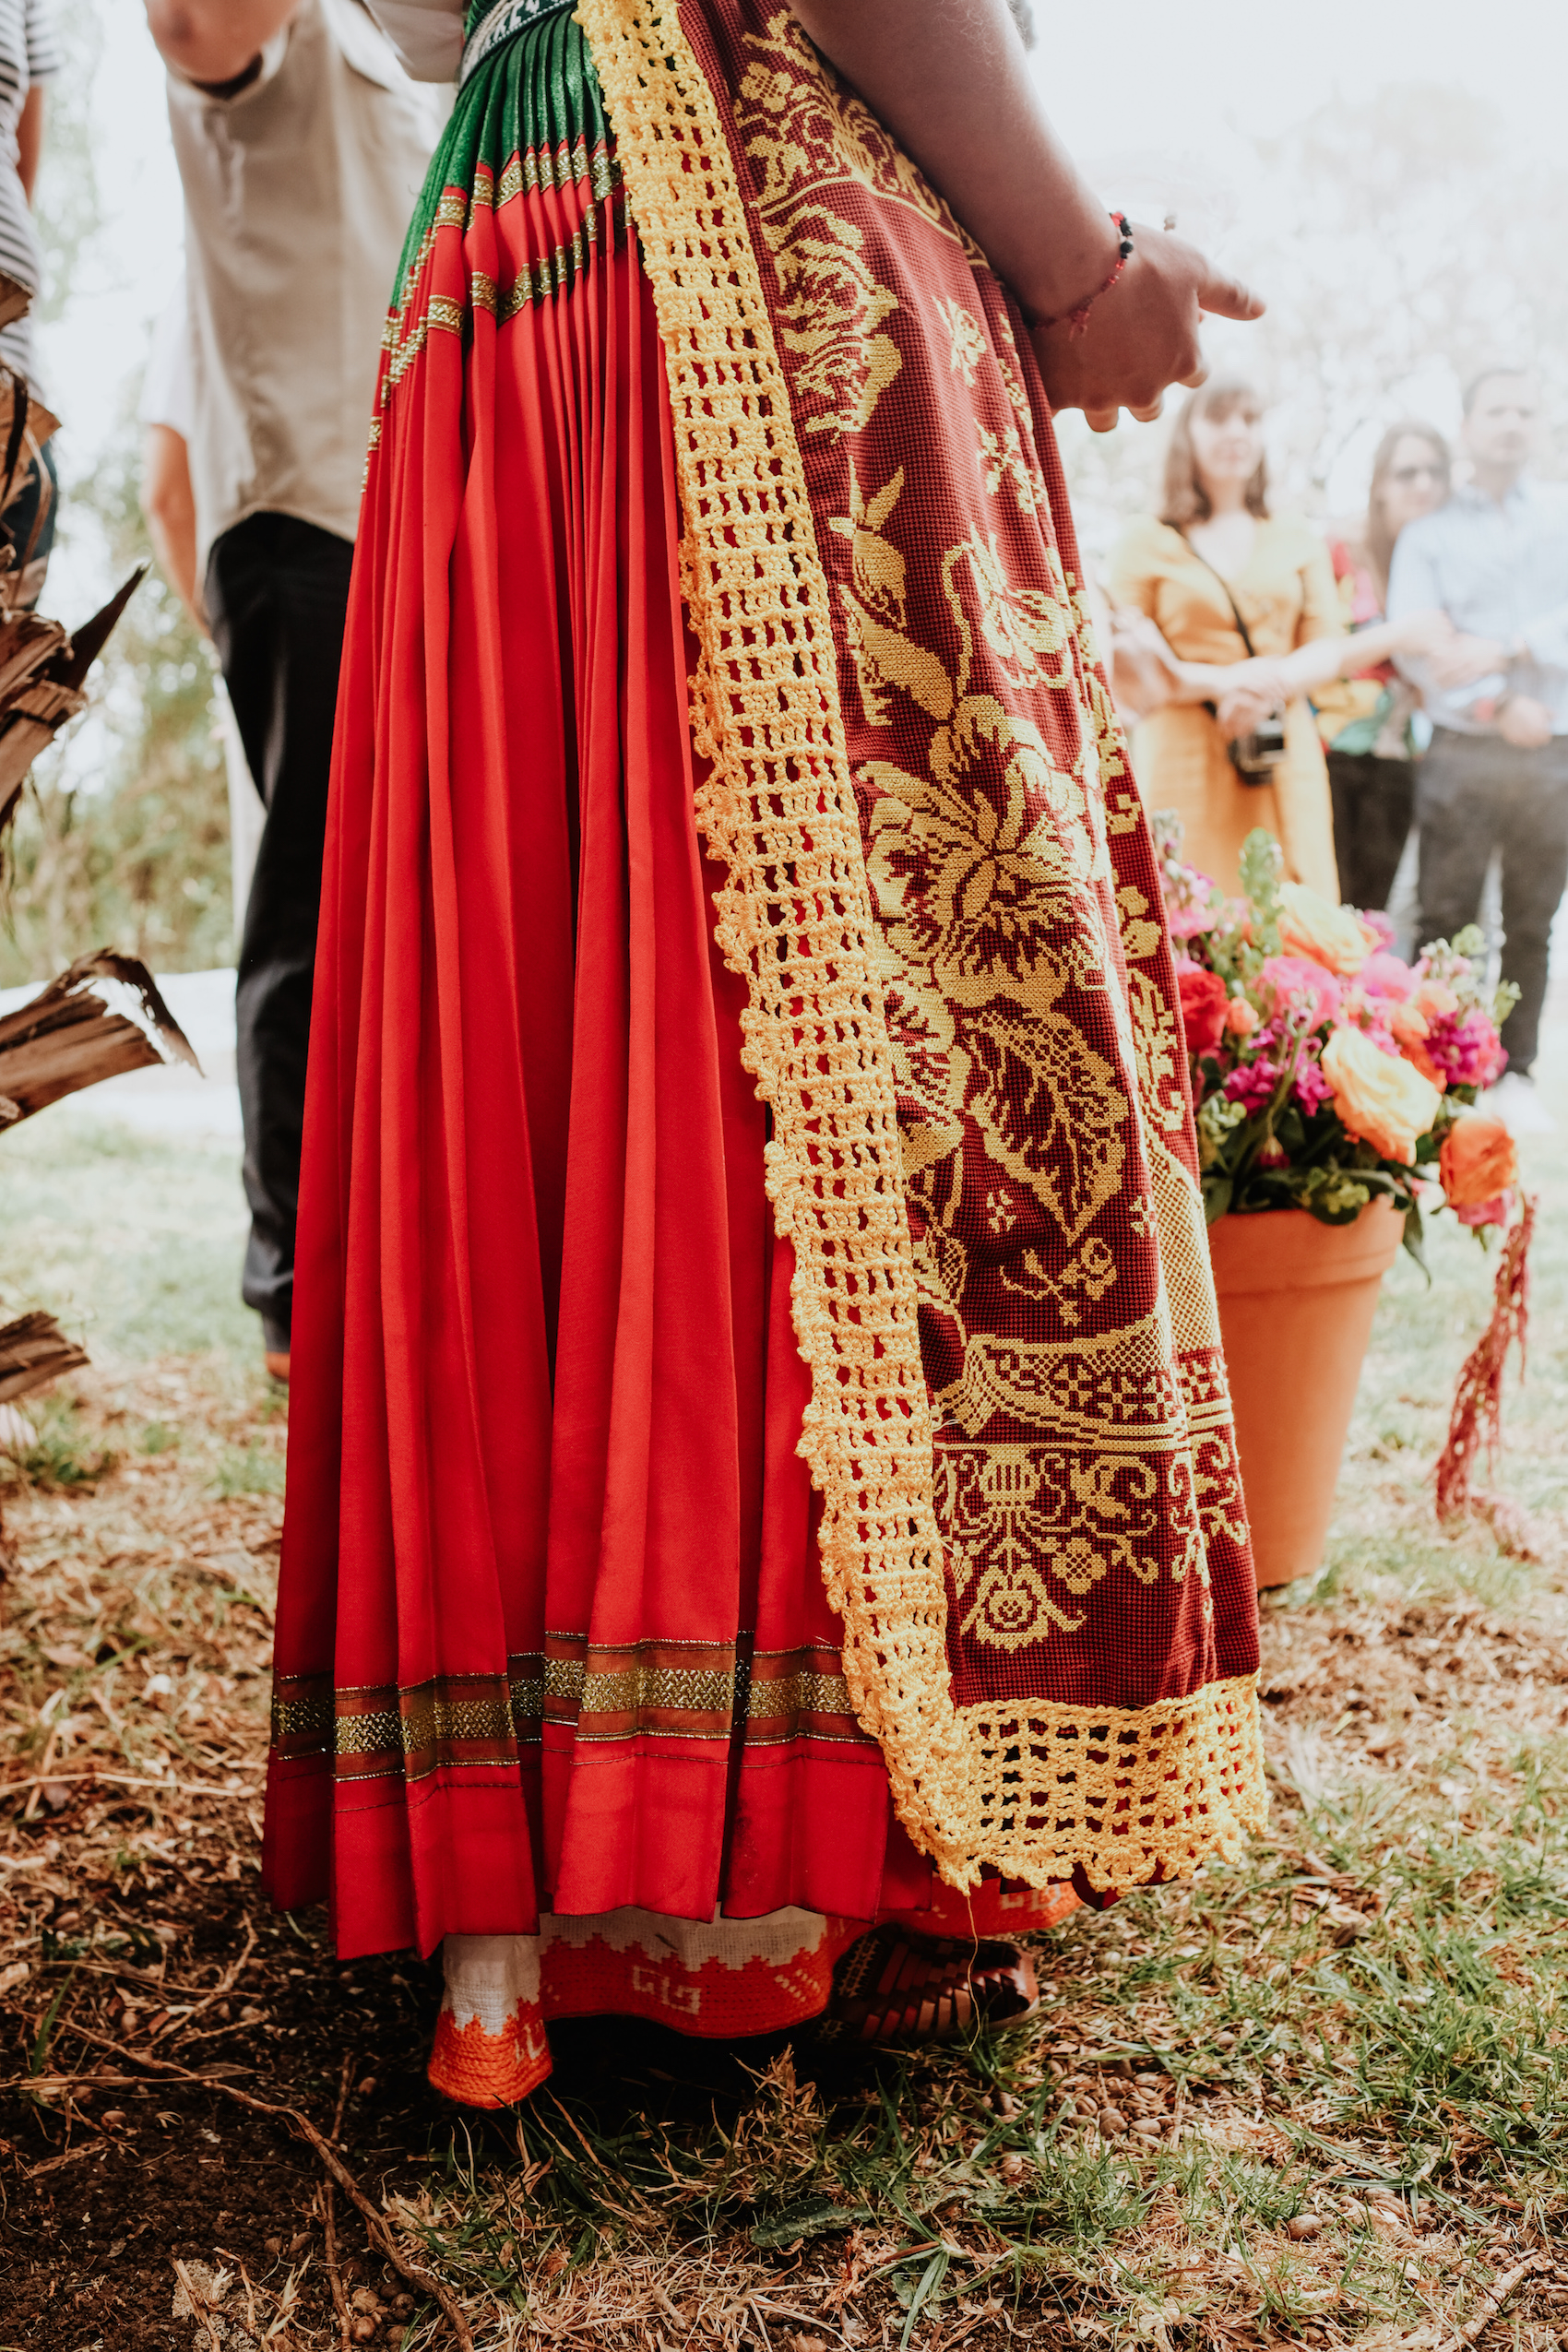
x,y
1496,560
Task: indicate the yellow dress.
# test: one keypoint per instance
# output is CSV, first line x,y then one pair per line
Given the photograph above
x,y
1288,598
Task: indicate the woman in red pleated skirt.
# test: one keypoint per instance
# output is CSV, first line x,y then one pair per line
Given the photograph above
x,y
560,1682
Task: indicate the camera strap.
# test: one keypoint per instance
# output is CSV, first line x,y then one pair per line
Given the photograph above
x,y
1246,637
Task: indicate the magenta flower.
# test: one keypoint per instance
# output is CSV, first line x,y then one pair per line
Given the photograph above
x,y
1311,1088
1466,1048
1295,980
1253,1084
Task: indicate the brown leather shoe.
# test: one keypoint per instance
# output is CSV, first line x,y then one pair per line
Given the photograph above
x,y
896,1986
278,1366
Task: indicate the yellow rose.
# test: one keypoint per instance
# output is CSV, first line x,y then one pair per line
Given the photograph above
x,y
1332,936
1383,1098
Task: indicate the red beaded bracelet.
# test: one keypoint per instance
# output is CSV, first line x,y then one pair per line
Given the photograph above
x,y
1078,318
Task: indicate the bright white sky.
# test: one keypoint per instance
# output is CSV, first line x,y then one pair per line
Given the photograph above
x,y
1151,94
1170,78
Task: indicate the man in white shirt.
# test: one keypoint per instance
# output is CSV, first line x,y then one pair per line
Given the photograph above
x,y
1496,560
301,146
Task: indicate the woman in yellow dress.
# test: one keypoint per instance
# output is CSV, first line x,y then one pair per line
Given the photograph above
x,y
1216,541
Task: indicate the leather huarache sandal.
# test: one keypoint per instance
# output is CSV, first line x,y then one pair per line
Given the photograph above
x,y
896,1986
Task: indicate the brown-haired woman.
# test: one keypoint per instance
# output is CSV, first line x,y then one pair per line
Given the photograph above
x,y
1214,558
1364,721
1221,578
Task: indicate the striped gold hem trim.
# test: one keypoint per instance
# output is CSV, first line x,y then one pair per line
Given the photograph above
x,y
586,1692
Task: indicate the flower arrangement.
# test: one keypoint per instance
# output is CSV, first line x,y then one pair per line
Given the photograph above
x,y
1326,1070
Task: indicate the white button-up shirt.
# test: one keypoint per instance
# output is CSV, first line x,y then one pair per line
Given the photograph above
x,y
1499,568
298,195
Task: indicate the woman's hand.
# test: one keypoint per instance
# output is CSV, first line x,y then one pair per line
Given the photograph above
x,y
1142,336
1260,691
1247,693
1524,722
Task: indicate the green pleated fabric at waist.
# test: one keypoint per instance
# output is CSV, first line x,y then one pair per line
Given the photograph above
x,y
534,96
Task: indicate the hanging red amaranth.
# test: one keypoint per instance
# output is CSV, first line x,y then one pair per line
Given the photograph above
x,y
1477,1400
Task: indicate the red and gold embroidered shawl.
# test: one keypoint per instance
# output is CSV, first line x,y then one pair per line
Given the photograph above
x,y
962,1008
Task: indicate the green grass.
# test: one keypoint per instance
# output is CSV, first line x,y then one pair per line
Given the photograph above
x,y
1402,2086
1360,2026
1356,2031
250,1470
65,1454
133,1242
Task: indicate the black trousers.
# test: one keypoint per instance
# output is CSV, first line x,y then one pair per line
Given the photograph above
x,y
1474,794
277,592
1373,800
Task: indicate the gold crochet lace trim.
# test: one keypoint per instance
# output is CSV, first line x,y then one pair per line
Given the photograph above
x,y
1029,1786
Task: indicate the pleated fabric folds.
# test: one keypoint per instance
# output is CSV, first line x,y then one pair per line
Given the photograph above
x,y
552,1631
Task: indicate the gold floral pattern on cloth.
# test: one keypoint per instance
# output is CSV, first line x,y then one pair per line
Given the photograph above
x,y
1032,1525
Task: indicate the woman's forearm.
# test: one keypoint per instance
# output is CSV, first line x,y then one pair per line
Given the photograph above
x,y
1342,657
949,79
1208,681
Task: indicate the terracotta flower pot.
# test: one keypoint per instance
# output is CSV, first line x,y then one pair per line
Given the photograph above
x,y
1296,1306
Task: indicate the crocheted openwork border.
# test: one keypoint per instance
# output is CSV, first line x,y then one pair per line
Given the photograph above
x,y
1030,1787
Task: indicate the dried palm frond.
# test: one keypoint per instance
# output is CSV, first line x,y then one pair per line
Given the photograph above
x,y
41,685
33,1351
74,1034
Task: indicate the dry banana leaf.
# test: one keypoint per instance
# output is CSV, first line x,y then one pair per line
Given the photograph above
x,y
33,1351
72,1036
37,697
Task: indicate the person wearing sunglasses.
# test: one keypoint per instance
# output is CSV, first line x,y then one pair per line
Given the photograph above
x,y
1365,719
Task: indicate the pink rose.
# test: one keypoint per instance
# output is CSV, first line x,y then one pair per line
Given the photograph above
x,y
1493,1212
1385,975
1297,976
1310,925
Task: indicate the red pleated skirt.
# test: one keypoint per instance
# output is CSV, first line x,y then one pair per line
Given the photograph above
x,y
551,1634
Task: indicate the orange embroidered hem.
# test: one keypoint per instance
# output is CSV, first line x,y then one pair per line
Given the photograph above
x,y
726,1981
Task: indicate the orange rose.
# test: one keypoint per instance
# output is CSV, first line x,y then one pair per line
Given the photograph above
x,y
1240,1017
1436,1000
1336,936
1409,1029
1381,1098
1478,1160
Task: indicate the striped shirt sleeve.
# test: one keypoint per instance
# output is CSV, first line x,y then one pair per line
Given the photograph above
x,y
44,56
